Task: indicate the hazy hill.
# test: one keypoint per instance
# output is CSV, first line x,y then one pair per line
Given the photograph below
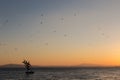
x,y
15,66
12,66
88,65
22,66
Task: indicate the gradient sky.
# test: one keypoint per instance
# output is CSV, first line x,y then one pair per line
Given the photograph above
x,y
60,32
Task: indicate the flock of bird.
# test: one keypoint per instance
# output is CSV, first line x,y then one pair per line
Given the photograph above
x,y
5,22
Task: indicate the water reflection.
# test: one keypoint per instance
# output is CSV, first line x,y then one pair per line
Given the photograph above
x,y
28,77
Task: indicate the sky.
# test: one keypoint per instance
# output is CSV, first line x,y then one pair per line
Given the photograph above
x,y
60,32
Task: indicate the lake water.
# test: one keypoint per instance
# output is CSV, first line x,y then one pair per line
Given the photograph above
x,y
62,74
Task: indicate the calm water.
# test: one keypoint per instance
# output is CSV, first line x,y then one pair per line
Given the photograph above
x,y
62,74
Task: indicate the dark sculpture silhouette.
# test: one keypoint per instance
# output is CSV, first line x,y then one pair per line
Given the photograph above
x,y
28,67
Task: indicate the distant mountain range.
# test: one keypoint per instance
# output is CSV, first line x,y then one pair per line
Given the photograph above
x,y
22,66
15,66
88,65
12,66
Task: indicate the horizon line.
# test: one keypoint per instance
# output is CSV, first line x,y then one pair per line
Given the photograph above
x,y
21,65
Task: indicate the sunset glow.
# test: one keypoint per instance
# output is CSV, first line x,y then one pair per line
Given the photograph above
x,y
60,32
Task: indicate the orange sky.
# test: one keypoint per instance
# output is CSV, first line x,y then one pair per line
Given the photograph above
x,y
60,33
